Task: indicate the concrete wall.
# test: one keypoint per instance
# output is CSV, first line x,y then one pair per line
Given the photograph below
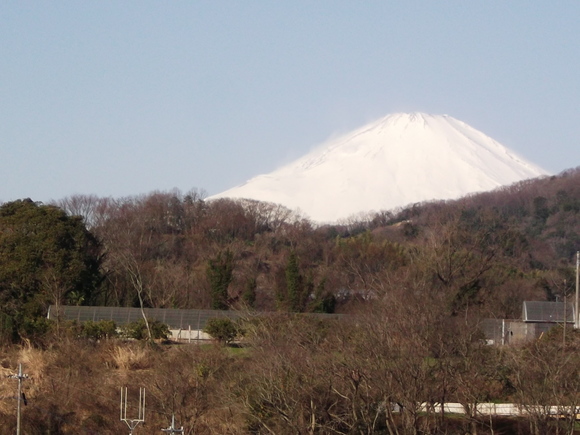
x,y
188,335
519,332
508,409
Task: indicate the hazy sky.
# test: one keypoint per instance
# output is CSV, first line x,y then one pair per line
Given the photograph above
x,y
118,98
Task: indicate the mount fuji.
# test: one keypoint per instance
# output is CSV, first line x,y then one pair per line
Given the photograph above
x,y
395,161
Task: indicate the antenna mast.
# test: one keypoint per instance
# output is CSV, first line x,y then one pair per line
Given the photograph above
x,y
172,429
133,422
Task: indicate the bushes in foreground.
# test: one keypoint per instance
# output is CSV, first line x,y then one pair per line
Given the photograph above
x,y
138,330
222,329
299,374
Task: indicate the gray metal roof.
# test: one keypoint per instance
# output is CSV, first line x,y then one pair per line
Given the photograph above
x,y
550,312
175,318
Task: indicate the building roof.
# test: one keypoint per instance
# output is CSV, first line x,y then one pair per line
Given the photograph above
x,y
548,312
174,318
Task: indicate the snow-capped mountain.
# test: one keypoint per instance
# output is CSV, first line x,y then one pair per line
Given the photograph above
x,y
400,159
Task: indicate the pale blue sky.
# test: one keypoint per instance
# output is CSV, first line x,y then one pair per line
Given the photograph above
x,y
117,98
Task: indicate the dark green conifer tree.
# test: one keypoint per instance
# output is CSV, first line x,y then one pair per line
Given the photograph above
x,y
294,284
249,295
220,274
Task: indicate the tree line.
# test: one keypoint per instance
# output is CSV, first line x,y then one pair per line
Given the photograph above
x,y
382,371
486,252
172,250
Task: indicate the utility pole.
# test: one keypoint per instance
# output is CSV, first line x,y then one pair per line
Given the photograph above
x,y
565,312
133,422
172,429
576,317
20,376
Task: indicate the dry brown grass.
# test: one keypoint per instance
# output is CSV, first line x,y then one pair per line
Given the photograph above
x,y
35,361
130,357
7,389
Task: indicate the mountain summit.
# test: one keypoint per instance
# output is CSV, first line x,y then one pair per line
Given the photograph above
x,y
400,159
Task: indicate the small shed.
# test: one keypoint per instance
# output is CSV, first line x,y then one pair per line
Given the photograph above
x,y
545,315
538,317
548,312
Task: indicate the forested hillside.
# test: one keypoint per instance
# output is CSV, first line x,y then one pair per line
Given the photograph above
x,y
488,251
414,285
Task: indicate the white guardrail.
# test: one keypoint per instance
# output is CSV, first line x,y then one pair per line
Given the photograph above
x,y
505,409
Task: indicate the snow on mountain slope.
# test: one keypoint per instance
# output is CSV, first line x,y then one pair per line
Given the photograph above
x,y
395,161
